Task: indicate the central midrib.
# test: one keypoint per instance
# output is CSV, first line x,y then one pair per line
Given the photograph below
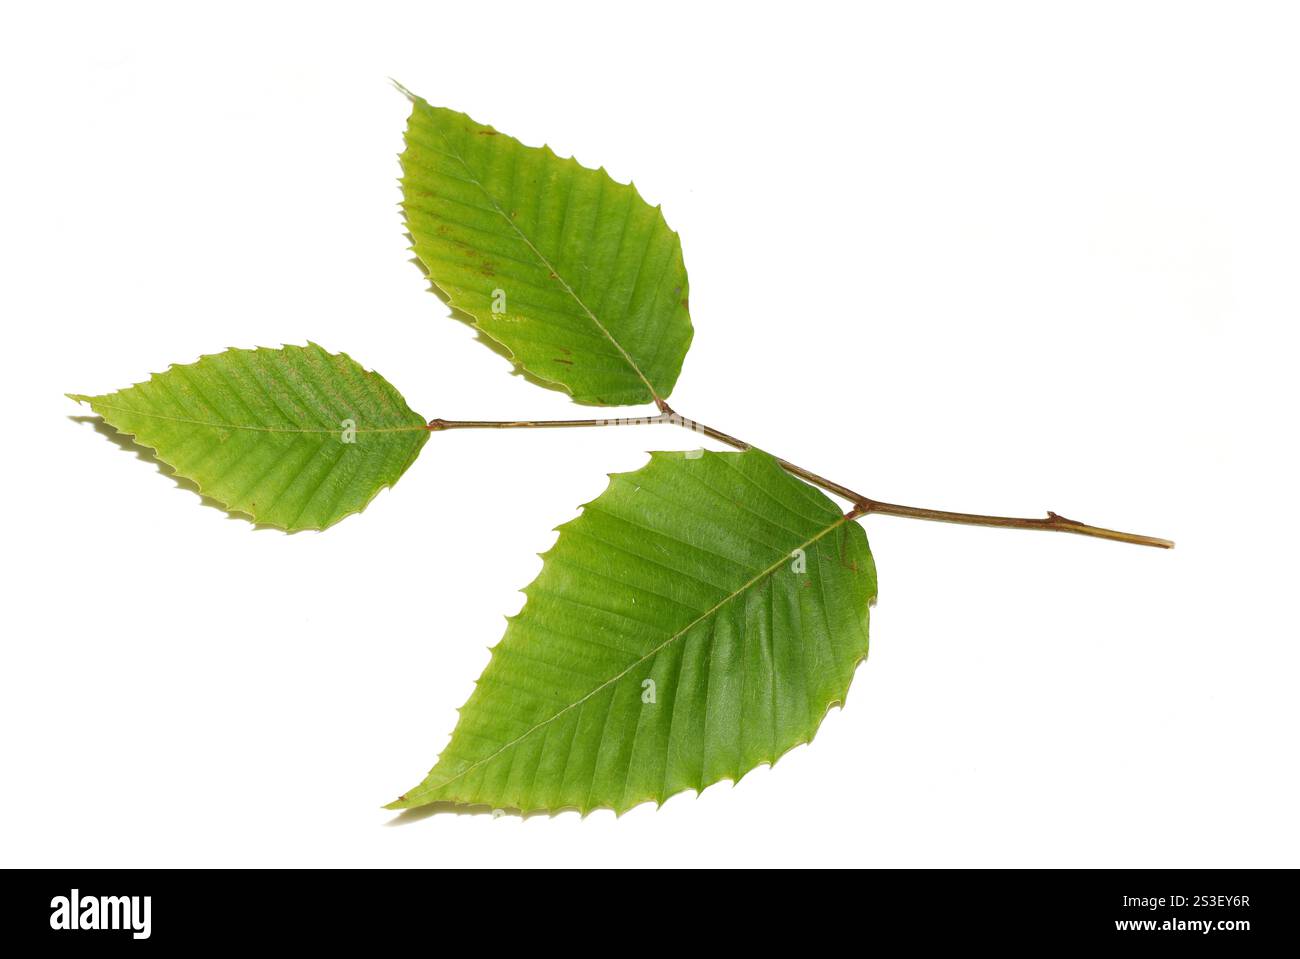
x,y
258,429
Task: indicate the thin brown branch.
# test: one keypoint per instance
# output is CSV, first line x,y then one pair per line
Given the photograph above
x,y
440,424
862,505
1052,522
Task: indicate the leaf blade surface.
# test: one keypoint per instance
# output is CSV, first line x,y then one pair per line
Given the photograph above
x,y
296,437
579,278
682,574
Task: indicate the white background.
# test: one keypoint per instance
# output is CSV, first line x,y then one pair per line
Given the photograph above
x,y
993,257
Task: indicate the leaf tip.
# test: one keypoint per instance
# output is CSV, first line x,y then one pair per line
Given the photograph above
x,y
403,91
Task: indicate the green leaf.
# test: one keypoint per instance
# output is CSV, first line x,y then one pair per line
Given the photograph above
x,y
578,278
674,638
296,437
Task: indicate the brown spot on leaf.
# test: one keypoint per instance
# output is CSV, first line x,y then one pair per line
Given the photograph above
x,y
565,362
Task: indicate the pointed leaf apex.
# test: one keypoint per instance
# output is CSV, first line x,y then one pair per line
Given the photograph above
x,y
405,92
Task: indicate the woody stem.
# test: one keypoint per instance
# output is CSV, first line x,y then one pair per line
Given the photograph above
x,y
862,505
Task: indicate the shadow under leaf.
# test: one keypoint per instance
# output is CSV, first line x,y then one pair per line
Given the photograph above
x,y
419,813
125,442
